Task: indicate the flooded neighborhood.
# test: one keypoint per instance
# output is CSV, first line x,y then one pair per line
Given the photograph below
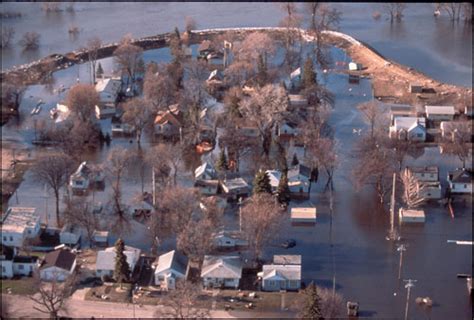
x,y
236,160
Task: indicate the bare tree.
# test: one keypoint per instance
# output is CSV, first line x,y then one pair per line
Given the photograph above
x,y
458,141
177,206
79,213
322,151
81,100
118,163
467,12
373,114
92,47
12,93
261,219
195,240
52,295
7,35
332,304
395,10
182,303
138,115
54,171
453,9
49,7
158,87
171,154
127,56
30,40
265,106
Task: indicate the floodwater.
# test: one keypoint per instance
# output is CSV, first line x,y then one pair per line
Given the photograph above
x,y
437,47
352,248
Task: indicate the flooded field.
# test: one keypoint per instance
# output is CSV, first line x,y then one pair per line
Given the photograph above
x,y
436,47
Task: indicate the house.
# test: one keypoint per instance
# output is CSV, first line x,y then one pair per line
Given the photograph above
x,y
303,215
70,234
142,205
229,240
86,176
274,176
171,266
216,76
299,181
108,90
19,223
235,188
294,80
14,265
103,111
121,128
168,124
416,88
100,238
460,181
221,271
428,190
424,174
205,48
411,216
440,113
400,110
457,131
205,171
297,101
58,265
105,262
60,113
283,274
207,187
408,128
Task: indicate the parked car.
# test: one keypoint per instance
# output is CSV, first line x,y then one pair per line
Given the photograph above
x,y
290,243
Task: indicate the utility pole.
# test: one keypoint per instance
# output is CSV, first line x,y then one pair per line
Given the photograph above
x,y
46,205
393,235
153,185
408,286
240,214
400,249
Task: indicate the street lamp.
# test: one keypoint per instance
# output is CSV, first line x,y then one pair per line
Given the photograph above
x,y
408,286
401,248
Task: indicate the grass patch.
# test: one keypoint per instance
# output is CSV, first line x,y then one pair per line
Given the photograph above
x,y
264,301
112,292
22,286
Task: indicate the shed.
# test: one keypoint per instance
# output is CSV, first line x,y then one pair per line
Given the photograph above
x,y
440,113
411,216
304,215
355,66
100,238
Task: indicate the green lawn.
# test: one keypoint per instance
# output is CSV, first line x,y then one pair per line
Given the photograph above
x,y
23,286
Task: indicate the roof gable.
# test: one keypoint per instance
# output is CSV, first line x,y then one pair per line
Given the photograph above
x,y
62,259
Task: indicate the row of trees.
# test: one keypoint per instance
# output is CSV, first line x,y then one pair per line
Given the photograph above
x,y
454,10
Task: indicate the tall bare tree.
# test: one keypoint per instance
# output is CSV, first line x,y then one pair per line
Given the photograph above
x,y
373,114
458,142
261,220
394,10
13,91
127,57
195,240
81,100
176,206
166,155
158,87
93,46
118,163
7,35
30,40
54,171
79,213
138,115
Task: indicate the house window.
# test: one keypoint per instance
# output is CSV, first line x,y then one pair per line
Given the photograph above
x,y
21,267
454,186
465,186
271,283
422,174
3,269
29,231
11,238
79,183
4,238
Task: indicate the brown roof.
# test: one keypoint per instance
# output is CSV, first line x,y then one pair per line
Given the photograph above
x,y
205,45
63,259
175,117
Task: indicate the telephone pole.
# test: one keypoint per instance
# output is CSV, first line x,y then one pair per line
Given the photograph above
x,y
409,285
400,249
393,234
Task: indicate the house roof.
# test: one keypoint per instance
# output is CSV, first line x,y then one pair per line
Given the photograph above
x,y
233,184
428,169
172,260
303,213
173,116
460,176
205,168
408,122
82,171
108,85
285,272
17,219
63,259
274,176
299,169
205,45
222,267
287,259
106,258
449,110
216,75
412,213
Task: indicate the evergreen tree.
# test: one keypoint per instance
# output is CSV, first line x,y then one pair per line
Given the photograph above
x,y
309,75
283,191
311,308
100,71
222,164
295,160
262,72
176,32
122,269
261,183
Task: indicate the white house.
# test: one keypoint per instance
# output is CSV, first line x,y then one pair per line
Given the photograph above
x,y
283,274
411,216
6,261
108,90
70,234
299,181
409,128
274,176
303,215
25,265
19,223
169,123
353,66
171,266
235,188
58,265
79,180
105,262
426,174
228,240
460,181
440,113
221,271
205,171
428,190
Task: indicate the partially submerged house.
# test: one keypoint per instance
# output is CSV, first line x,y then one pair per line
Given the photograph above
x,y
19,224
299,181
283,274
221,271
108,90
121,128
58,265
170,267
411,215
100,238
460,181
105,262
440,113
409,128
12,264
70,234
86,176
235,188
169,123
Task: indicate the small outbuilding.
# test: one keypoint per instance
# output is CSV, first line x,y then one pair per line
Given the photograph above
x,y
411,215
303,215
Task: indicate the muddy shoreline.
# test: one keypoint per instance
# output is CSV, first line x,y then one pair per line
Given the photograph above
x,y
390,80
